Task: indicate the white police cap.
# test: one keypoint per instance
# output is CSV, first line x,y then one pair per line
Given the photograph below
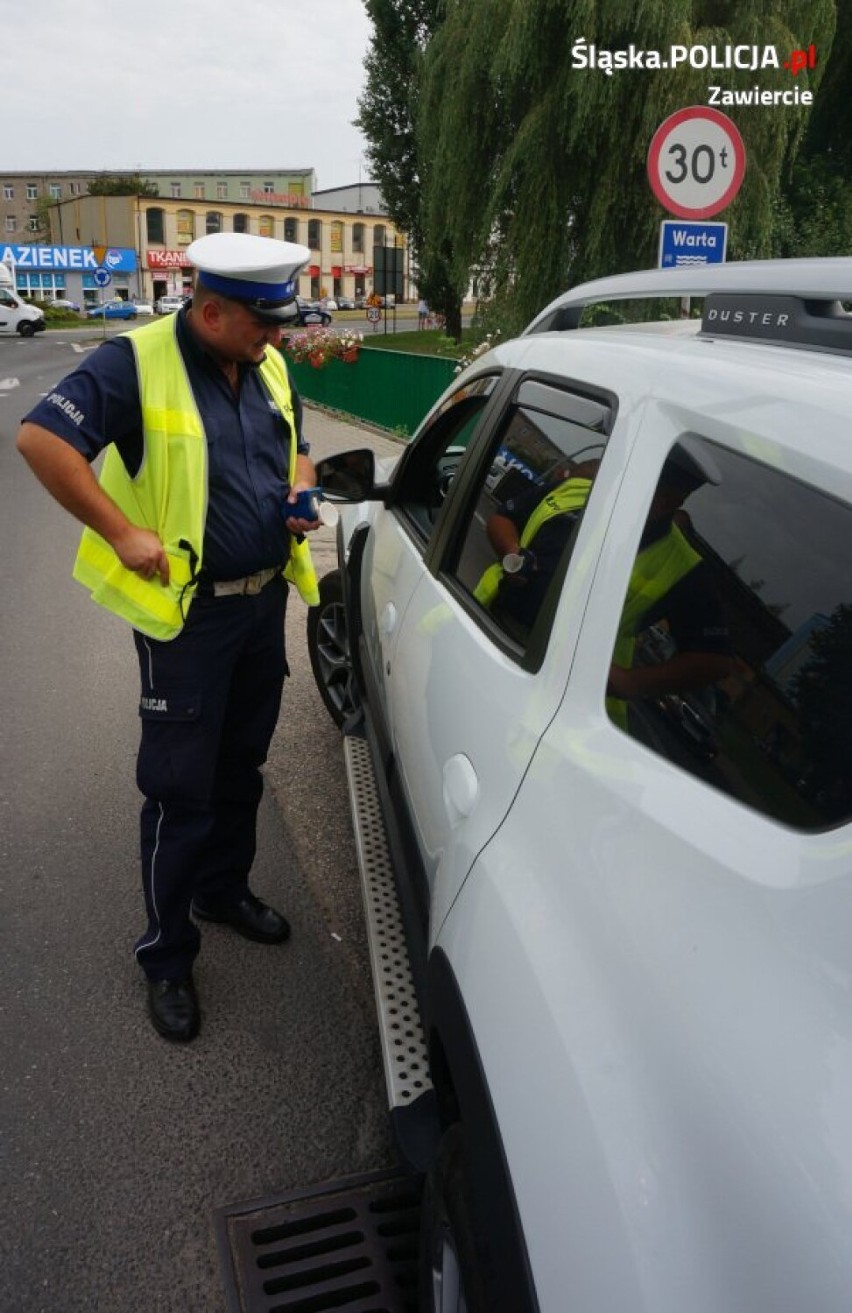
x,y
260,272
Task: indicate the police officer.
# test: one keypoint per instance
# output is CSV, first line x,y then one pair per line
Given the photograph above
x,y
190,536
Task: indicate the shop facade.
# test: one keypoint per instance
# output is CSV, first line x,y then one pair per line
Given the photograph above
x,y
45,272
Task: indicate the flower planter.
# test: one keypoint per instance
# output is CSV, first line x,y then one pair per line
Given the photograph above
x,y
390,388
318,347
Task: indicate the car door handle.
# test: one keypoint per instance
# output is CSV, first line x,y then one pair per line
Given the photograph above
x,y
387,621
460,787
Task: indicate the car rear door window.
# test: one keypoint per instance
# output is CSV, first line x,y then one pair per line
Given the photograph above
x,y
734,650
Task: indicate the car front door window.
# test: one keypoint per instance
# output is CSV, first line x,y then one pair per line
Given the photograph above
x,y
518,538
431,463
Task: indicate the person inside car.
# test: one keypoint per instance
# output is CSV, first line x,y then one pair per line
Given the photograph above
x,y
670,582
528,534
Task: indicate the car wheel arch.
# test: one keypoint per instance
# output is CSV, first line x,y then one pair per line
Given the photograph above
x,y
464,1100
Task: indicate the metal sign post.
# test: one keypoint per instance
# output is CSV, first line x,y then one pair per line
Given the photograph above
x,y
102,278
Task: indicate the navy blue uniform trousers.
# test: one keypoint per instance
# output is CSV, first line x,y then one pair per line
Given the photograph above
x,y
209,705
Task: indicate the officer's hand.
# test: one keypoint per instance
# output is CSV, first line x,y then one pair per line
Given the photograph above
x,y
621,683
296,525
140,550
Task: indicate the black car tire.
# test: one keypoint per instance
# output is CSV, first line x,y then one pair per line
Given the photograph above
x,y
450,1281
26,328
328,648
325,320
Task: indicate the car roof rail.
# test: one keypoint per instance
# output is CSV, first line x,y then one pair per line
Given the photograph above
x,y
788,302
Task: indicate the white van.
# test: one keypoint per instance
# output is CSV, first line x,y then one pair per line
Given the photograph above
x,y
15,315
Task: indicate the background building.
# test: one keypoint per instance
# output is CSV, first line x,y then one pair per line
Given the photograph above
x,y
25,196
347,231
290,187
345,247
355,198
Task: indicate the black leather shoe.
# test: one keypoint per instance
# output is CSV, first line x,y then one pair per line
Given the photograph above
x,y
173,1007
250,917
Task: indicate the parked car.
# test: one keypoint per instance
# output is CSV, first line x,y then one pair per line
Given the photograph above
x,y
144,307
168,305
345,303
328,303
629,935
309,312
115,309
62,303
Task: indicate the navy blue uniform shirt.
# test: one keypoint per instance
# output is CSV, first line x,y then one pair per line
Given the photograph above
x,y
248,444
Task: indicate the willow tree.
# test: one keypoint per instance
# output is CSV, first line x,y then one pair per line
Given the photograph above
x,y
460,125
537,166
387,116
814,215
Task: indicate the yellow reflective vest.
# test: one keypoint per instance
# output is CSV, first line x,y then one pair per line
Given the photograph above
x,y
656,570
569,496
168,495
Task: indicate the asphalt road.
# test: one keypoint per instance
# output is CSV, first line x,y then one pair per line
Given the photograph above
x,y
115,1146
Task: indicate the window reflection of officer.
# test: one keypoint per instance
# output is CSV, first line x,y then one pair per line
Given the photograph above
x,y
670,581
187,535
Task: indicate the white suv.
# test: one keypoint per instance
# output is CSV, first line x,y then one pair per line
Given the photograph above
x,y
590,643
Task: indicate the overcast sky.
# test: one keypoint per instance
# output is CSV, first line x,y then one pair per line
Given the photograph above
x,y
183,84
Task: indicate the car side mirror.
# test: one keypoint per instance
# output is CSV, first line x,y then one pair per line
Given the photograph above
x,y
348,476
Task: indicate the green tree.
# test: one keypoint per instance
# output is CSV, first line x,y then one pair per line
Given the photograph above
x,y
813,216
122,184
536,169
388,113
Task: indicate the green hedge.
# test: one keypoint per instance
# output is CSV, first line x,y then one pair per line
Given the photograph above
x,y
393,389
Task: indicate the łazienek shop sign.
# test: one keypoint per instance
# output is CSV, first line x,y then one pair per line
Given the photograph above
x,y
168,260
118,259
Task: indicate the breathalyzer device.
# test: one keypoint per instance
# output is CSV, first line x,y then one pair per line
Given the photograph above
x,y
310,505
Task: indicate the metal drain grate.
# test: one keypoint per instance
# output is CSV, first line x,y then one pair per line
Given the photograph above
x,y
349,1245
404,1050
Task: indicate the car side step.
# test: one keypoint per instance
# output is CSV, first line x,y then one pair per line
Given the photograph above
x,y
411,1096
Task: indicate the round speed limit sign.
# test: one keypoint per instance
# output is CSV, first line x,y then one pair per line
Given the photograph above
x,y
696,162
